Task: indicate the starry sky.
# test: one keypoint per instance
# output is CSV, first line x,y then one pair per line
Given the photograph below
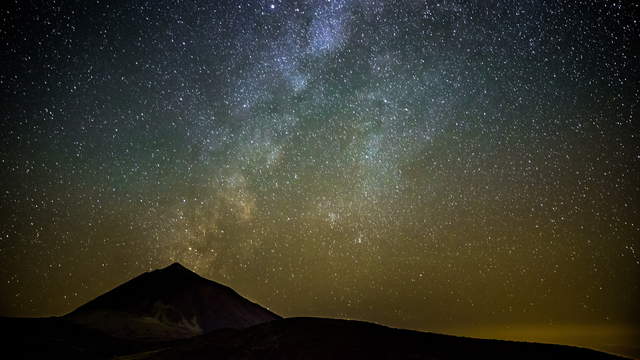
x,y
469,167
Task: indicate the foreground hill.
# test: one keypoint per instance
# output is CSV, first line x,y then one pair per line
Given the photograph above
x,y
293,338
318,338
57,338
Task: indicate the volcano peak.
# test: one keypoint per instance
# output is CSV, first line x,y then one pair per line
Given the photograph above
x,y
171,302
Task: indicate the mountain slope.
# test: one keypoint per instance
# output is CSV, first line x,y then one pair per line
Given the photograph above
x,y
173,302
57,338
318,338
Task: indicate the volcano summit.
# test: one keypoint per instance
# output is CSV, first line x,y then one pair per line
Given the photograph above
x,y
173,302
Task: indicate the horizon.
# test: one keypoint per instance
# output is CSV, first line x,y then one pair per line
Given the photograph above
x,y
440,164
593,336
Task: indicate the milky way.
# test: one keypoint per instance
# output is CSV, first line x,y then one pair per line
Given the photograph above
x,y
429,165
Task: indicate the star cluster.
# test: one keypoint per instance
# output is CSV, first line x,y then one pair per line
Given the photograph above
x,y
435,165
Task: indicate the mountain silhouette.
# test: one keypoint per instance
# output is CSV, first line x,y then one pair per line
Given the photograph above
x,y
173,302
174,314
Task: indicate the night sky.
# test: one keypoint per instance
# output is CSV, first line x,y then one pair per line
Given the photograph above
x,y
462,167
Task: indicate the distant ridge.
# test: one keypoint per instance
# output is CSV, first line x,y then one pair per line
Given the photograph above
x,y
173,302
